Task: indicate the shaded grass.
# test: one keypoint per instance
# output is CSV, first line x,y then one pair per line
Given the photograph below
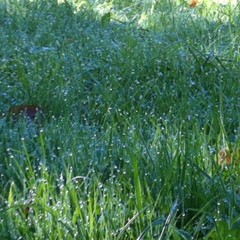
x,y
136,110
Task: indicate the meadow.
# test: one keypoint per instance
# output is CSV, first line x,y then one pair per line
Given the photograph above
x,y
138,99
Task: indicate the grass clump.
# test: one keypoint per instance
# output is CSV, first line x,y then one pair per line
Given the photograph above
x,y
138,99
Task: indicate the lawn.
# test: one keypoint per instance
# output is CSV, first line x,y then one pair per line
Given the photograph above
x,y
138,98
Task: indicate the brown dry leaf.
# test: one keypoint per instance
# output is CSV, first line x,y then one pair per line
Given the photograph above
x,y
32,112
193,3
225,156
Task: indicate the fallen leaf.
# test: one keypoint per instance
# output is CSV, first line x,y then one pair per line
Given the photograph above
x,y
31,112
193,3
225,156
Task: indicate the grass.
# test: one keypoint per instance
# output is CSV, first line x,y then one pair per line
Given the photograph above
x,y
139,97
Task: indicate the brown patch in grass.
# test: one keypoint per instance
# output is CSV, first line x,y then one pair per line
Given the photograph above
x,y
31,112
225,156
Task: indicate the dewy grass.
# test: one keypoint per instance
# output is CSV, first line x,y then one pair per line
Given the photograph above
x,y
138,99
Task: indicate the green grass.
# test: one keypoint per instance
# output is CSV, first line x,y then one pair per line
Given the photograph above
x,y
139,96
